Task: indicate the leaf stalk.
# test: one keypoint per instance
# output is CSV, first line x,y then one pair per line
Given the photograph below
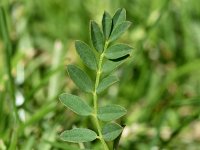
x,y
95,97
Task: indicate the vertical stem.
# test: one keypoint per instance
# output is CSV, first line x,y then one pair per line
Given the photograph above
x,y
95,98
7,52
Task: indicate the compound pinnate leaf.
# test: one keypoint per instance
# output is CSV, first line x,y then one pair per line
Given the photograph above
x,y
106,82
77,135
86,54
111,131
111,112
107,24
119,16
80,78
109,65
119,30
76,104
117,51
97,37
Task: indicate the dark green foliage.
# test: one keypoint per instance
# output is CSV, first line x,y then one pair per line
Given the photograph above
x,y
76,104
80,78
111,131
118,30
111,112
117,51
107,24
106,82
78,135
86,54
119,17
106,113
109,65
97,37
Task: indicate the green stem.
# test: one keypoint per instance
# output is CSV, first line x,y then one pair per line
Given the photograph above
x,y
95,98
7,52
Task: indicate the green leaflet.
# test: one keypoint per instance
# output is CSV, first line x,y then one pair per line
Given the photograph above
x,y
111,131
119,30
80,78
76,104
117,51
111,112
97,37
109,65
116,141
106,82
106,24
119,16
86,54
77,135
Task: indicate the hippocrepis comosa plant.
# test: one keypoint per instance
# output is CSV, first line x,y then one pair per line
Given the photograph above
x,y
108,56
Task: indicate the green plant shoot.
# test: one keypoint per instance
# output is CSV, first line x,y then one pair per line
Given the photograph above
x,y
109,56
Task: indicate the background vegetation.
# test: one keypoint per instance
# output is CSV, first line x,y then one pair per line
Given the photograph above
x,y
159,85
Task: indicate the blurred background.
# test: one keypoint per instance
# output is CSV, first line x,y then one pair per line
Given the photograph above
x,y
159,85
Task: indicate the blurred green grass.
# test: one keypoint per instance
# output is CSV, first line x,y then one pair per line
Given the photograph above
x,y
160,84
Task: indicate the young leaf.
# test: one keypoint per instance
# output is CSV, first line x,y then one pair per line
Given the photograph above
x,y
76,104
110,112
77,135
109,65
106,82
86,54
106,24
117,51
111,131
80,78
119,16
97,37
119,30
